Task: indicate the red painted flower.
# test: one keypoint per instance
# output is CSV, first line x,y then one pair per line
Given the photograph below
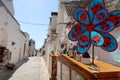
x,y
94,26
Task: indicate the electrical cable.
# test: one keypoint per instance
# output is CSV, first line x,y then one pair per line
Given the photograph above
x,y
30,23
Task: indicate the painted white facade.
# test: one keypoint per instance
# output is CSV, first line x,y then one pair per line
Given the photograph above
x,y
50,42
26,45
64,1
110,57
62,30
47,50
64,18
31,50
9,5
11,36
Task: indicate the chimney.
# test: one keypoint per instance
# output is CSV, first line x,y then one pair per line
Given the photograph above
x,y
54,13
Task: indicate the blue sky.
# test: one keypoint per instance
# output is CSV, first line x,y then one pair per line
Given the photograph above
x,y
35,11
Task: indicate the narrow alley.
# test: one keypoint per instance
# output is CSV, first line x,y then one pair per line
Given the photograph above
x,y
33,69
60,40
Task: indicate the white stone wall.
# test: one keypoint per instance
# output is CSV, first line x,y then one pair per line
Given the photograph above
x,y
61,9
49,49
3,37
9,5
27,44
54,22
10,32
31,47
110,57
15,35
66,17
3,17
65,72
50,44
64,0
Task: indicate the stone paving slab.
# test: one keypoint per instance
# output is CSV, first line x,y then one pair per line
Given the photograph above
x,y
5,73
33,69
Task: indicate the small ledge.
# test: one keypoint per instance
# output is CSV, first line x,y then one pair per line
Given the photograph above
x,y
105,70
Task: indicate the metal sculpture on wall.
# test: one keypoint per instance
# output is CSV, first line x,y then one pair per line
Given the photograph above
x,y
93,27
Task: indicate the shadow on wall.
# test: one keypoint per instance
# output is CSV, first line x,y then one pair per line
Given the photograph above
x,y
116,54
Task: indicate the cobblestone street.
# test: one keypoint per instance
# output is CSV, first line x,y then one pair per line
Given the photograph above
x,y
34,69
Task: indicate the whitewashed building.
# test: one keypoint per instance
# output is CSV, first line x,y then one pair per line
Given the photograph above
x,y
64,22
11,36
26,45
31,49
50,42
65,16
